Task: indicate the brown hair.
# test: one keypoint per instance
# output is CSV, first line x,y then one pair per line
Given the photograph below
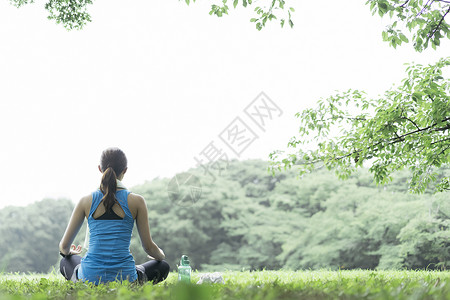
x,y
112,162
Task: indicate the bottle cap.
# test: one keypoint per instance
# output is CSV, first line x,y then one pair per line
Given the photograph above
x,y
184,260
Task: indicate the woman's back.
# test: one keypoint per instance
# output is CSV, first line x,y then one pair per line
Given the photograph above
x,y
109,256
111,212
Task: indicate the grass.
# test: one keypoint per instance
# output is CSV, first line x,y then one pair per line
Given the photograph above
x,y
349,284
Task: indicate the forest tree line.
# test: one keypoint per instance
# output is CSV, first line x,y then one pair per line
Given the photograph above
x,y
249,220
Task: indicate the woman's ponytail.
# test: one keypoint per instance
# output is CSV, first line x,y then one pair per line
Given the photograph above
x,y
113,162
108,187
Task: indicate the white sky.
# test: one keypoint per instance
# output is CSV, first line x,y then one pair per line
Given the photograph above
x,y
161,80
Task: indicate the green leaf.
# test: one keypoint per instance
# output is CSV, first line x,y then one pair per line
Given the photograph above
x,y
403,38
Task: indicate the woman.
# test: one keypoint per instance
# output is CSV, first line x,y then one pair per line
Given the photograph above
x,y
111,211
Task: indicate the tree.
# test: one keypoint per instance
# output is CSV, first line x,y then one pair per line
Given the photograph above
x,y
408,127
73,14
247,219
425,240
426,21
29,236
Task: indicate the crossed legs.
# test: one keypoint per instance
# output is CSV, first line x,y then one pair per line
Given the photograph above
x,y
152,270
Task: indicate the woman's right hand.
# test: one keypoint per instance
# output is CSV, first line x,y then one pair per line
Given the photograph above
x,y
161,253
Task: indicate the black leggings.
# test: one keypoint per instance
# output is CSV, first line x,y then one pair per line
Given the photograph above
x,y
152,270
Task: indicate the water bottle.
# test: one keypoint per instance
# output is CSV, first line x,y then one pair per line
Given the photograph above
x,y
184,270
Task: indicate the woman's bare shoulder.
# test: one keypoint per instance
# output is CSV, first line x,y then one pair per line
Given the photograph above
x,y
135,203
135,198
86,199
85,203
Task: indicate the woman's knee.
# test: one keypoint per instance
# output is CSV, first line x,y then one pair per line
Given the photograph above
x,y
165,268
68,264
62,267
65,268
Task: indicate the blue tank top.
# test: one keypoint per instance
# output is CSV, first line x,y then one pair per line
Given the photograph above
x,y
109,257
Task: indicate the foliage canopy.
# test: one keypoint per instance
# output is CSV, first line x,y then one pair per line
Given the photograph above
x,y
407,127
73,14
249,220
425,20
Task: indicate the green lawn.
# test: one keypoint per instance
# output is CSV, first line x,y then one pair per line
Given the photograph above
x,y
355,284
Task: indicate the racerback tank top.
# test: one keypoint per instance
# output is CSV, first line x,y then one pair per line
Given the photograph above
x,y
109,257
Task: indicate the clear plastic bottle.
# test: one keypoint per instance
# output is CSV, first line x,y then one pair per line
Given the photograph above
x,y
184,270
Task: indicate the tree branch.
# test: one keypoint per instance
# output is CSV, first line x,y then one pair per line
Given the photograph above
x,y
440,141
438,25
448,147
425,128
395,140
442,128
404,4
424,7
405,118
342,117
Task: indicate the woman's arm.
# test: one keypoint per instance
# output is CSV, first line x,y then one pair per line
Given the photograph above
x,y
75,223
144,230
